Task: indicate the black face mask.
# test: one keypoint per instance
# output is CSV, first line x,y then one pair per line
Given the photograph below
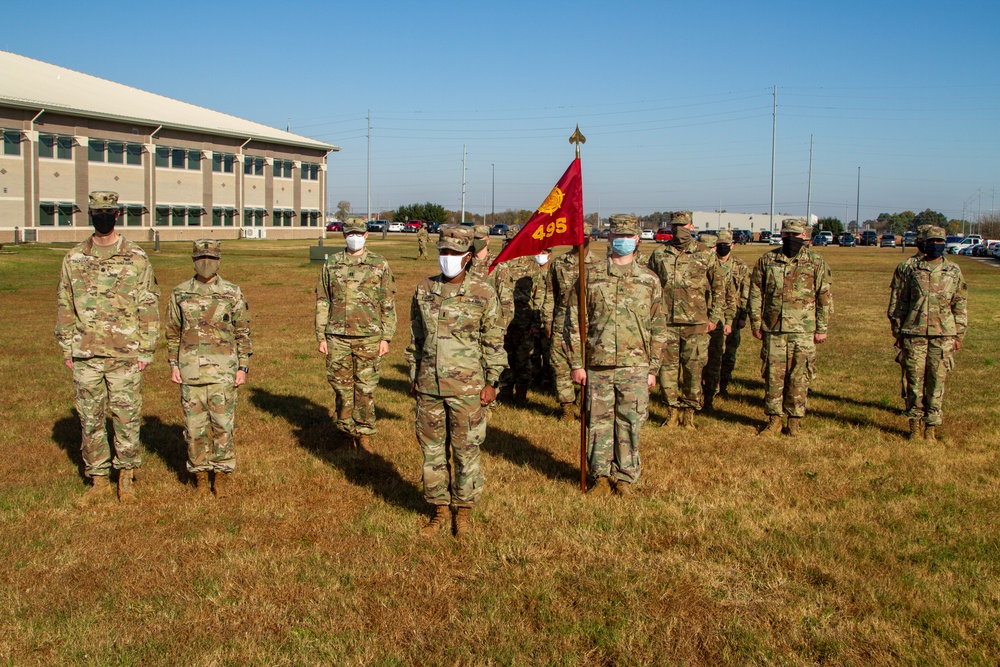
x,y
933,250
103,222
723,249
790,245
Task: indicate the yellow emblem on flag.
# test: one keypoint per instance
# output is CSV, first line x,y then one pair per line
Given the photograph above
x,y
553,202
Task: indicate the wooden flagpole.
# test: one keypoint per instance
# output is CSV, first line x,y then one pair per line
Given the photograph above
x,y
577,138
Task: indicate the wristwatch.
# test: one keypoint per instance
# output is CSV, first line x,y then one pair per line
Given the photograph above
x,y
244,369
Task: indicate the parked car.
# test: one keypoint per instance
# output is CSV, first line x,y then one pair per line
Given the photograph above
x,y
664,235
847,240
377,225
909,239
335,227
742,236
396,226
433,226
765,236
887,241
828,235
498,230
869,237
967,242
413,226
647,235
774,239
820,240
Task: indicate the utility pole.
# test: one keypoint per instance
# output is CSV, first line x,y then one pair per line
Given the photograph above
x,y
857,211
493,214
809,187
368,215
463,182
774,130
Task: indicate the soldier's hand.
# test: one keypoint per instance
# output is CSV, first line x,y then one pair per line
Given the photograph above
x,y
728,329
548,331
711,326
413,389
322,348
175,375
69,364
579,376
958,344
899,343
757,334
241,378
819,338
487,395
383,348
651,381
142,365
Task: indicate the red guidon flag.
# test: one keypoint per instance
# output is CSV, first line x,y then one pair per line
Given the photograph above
x,y
558,221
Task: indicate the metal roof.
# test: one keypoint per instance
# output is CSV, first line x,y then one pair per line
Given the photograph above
x,y
30,83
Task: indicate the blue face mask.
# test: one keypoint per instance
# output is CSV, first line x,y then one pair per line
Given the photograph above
x,y
625,246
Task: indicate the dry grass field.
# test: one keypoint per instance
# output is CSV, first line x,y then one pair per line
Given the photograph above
x,y
848,546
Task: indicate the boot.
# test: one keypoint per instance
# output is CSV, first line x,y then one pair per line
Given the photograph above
x,y
672,418
441,515
601,487
793,426
126,492
930,434
569,411
624,488
707,406
363,442
724,388
687,418
506,394
914,430
201,484
99,487
773,426
520,394
463,522
221,486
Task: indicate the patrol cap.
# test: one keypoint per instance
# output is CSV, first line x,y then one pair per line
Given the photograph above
x,y
480,232
207,248
103,200
680,218
793,226
509,235
936,233
355,225
922,231
724,236
709,239
623,224
455,237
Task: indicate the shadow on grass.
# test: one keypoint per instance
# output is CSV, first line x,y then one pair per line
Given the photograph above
x,y
757,397
167,442
315,432
67,435
520,451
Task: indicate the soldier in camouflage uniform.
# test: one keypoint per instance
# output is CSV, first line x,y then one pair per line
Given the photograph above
x,y
422,237
725,339
562,278
931,318
895,286
692,305
790,307
519,341
456,357
355,320
625,334
499,279
208,348
107,323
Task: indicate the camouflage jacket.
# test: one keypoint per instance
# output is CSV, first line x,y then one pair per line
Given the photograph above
x,y
933,300
456,337
561,279
499,280
356,296
422,235
736,279
692,284
523,271
208,331
791,295
896,286
107,307
625,326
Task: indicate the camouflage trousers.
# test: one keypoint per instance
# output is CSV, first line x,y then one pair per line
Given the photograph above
x,y
450,430
684,357
559,360
617,407
98,383
209,411
928,360
788,366
422,251
721,359
353,368
519,344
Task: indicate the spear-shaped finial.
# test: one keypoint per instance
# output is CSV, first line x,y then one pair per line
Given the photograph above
x,y
577,138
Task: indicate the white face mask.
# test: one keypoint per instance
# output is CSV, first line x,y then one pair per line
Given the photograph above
x,y
542,258
355,242
451,265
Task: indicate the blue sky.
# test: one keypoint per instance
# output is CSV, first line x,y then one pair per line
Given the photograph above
x,y
675,98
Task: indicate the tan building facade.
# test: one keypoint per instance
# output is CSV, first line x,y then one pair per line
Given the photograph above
x,y
181,171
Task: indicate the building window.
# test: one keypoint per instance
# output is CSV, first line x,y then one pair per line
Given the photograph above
x,y
47,215
132,215
194,160
281,218
162,216
309,219
310,171
223,216
223,162
162,156
177,156
253,166
253,217
95,151
53,146
116,152
53,213
133,154
282,168
11,142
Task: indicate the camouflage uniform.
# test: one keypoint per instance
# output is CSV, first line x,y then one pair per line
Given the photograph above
x,y
625,334
208,340
895,287
499,279
692,297
721,347
455,350
790,302
107,321
422,238
930,315
355,311
519,342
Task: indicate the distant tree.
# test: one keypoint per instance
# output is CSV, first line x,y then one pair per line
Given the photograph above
x,y
830,225
428,212
343,210
590,220
929,217
989,226
953,227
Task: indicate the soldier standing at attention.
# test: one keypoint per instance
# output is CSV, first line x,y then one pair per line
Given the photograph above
x,y
931,318
625,334
895,287
499,279
725,340
692,305
790,307
107,323
355,320
208,347
455,357
422,237
519,340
